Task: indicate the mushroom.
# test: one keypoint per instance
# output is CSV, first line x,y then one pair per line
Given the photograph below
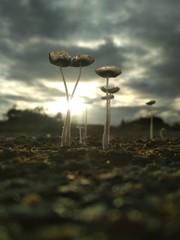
x,y
150,103
63,59
109,97
108,72
110,90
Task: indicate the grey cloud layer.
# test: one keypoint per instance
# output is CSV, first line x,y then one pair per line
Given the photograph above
x,y
148,31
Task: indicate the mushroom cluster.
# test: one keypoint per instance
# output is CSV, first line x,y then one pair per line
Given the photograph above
x,y
63,59
108,72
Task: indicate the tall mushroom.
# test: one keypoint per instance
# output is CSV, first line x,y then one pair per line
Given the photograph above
x,y
150,103
63,59
107,72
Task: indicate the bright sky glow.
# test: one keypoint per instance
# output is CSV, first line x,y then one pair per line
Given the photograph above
x,y
84,92
84,89
90,44
77,106
177,104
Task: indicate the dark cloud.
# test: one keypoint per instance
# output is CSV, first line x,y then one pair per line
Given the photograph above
x,y
140,36
109,54
13,98
24,19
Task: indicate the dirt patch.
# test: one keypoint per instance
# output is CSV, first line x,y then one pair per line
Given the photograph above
x,y
84,193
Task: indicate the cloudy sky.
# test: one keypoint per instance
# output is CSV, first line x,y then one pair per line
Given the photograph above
x,y
140,36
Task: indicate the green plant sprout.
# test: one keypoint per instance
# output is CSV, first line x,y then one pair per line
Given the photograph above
x,y
108,72
63,59
150,103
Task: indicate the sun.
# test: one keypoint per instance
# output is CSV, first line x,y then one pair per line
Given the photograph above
x,y
76,106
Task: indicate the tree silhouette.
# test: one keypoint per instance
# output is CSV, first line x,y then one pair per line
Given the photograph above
x,y
27,120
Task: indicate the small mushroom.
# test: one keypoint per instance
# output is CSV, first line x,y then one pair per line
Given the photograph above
x,y
110,90
108,71
60,58
109,97
82,60
150,103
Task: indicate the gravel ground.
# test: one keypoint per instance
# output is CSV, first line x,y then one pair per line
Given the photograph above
x,y
129,192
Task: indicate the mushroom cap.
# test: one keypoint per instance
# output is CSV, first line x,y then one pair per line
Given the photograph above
x,y
110,90
108,71
109,97
82,60
151,102
60,58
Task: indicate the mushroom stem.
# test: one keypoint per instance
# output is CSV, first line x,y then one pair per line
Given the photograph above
x,y
66,136
150,103
77,81
80,134
66,132
151,124
106,134
65,85
85,126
